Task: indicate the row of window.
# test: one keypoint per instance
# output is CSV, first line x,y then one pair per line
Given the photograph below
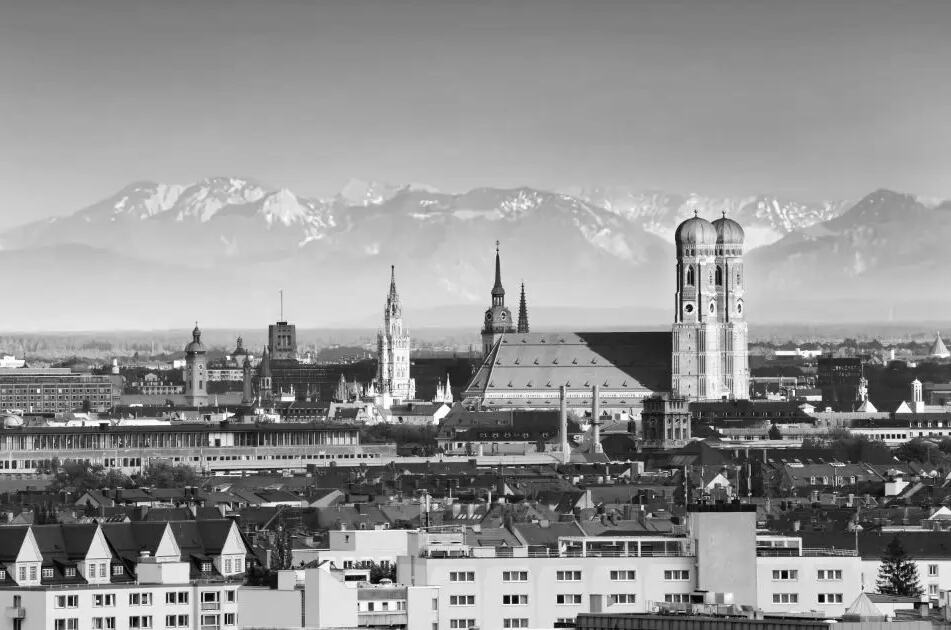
x,y
564,599
791,575
793,598
564,576
103,600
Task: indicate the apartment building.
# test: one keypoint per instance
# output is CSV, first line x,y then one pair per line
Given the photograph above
x,y
493,585
322,597
51,390
123,576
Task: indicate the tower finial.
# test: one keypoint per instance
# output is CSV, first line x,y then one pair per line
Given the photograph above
x,y
497,244
724,213
498,292
696,212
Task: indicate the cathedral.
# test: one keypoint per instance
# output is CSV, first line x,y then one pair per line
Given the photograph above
x,y
704,357
393,381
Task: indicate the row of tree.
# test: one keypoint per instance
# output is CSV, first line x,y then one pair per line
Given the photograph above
x,y
78,477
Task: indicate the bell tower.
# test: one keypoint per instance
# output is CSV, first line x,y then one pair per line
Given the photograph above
x,y
696,361
729,283
498,318
196,371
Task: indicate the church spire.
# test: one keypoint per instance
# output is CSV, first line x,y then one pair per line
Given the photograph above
x,y
393,282
522,313
498,292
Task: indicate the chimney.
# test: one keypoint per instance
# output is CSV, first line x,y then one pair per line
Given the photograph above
x,y
563,432
595,419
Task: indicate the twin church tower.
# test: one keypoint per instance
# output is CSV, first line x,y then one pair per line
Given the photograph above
x,y
710,355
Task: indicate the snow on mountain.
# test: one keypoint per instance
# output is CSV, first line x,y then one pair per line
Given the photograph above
x,y
599,248
765,219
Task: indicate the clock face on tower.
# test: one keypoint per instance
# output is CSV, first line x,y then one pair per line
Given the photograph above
x,y
488,316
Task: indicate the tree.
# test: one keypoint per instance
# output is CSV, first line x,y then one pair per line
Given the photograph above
x,y
775,433
165,475
916,450
898,575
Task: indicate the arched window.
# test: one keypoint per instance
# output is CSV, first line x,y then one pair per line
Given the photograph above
x,y
737,277
690,278
719,276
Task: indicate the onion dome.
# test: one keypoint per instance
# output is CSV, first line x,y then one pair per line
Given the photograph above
x,y
196,345
696,232
729,231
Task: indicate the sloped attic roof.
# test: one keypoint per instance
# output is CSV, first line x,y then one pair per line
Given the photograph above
x,y
636,362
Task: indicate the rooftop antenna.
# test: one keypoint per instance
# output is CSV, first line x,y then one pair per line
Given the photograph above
x,y
281,291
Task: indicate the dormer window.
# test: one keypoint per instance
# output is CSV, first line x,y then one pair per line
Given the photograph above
x,y
47,573
3,574
118,569
206,567
70,572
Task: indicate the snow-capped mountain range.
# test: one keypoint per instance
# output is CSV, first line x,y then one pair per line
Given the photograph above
x,y
153,254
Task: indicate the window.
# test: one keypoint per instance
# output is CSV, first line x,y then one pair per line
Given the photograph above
x,y
677,574
568,599
829,574
140,599
677,598
932,570
118,569
33,572
690,276
462,576
67,601
47,572
69,572
230,618
22,574
103,599
621,598
462,623
518,622
515,600
624,576
230,595
66,624
515,576
3,574
933,590
787,575
176,597
206,567
462,600
568,576
719,275
785,598
830,598
210,621
176,621
142,621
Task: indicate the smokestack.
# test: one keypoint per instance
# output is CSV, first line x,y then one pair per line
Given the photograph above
x,y
563,427
596,419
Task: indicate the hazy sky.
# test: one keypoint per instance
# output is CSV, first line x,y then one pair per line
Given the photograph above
x,y
809,98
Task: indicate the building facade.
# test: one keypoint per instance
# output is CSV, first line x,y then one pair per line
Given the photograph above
x,y
53,390
710,353
282,341
123,576
394,384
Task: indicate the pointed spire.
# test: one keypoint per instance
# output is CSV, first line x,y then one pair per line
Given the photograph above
x,y
522,313
498,292
393,281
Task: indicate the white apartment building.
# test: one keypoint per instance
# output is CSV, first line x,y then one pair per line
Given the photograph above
x,y
122,576
717,551
321,597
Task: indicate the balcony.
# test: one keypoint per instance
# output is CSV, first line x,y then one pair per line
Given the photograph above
x,y
16,612
382,618
210,606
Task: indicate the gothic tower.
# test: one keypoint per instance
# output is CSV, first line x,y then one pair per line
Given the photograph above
x,y
696,361
728,281
393,349
522,313
265,385
247,394
498,318
196,371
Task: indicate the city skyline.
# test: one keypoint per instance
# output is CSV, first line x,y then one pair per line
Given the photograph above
x,y
811,100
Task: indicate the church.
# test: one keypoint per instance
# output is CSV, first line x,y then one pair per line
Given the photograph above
x,y
703,357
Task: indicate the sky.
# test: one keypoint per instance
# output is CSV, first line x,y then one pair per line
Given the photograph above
x,y
815,99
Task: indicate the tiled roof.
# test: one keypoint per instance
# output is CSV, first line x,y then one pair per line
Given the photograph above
x,y
639,362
